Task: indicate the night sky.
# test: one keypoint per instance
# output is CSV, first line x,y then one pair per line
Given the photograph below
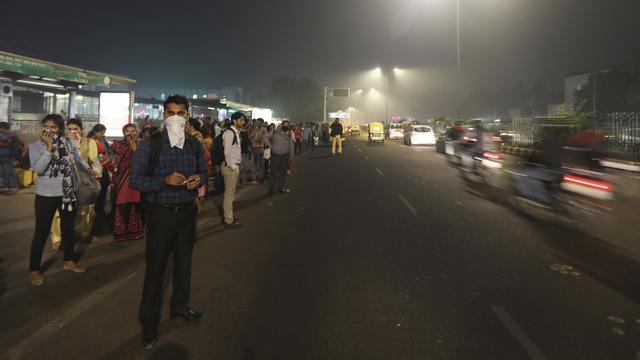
x,y
248,42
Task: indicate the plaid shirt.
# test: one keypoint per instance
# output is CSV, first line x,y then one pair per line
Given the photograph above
x,y
188,161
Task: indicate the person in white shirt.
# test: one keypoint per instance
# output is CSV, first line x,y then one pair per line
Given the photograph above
x,y
216,129
231,167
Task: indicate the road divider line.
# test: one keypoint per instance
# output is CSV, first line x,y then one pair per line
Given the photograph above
x,y
46,331
408,205
532,349
366,157
359,150
379,171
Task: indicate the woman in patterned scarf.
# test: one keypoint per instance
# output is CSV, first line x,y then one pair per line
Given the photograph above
x,y
55,159
128,223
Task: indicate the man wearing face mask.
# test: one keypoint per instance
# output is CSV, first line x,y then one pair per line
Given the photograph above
x,y
168,169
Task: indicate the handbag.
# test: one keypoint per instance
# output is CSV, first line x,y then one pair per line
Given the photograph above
x,y
87,186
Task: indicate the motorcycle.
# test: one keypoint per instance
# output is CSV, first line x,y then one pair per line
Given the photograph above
x,y
569,197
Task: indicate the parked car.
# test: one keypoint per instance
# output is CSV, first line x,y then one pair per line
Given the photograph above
x,y
419,135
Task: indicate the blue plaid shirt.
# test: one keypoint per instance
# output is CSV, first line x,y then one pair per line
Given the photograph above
x,y
188,161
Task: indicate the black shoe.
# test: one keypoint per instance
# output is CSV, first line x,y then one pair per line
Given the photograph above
x,y
189,315
234,225
149,337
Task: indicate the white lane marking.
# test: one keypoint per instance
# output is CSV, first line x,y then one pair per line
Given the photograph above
x,y
52,327
517,332
379,171
366,157
408,205
359,150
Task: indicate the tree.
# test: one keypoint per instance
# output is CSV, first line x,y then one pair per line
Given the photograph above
x,y
299,99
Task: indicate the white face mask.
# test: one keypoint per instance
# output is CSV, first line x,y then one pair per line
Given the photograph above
x,y
174,126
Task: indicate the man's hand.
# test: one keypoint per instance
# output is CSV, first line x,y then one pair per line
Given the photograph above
x,y
175,179
193,182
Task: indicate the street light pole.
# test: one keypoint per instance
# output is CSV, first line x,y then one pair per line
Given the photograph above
x,y
386,96
459,63
324,111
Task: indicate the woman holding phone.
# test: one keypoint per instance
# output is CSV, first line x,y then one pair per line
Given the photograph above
x,y
56,159
128,223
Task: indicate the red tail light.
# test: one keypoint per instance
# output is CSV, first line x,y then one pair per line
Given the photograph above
x,y
594,184
492,156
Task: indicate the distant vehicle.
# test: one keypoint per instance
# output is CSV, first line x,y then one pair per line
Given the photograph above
x,y
419,135
395,131
376,132
355,130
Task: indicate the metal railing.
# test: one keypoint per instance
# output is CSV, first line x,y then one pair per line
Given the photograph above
x,y
621,131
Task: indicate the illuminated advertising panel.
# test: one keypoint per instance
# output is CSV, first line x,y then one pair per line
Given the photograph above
x,y
114,112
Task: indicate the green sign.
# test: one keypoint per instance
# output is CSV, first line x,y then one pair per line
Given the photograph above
x,y
27,67
34,68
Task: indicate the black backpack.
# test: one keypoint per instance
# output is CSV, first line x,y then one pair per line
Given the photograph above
x,y
217,151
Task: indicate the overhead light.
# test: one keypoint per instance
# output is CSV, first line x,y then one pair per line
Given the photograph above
x,y
38,83
48,79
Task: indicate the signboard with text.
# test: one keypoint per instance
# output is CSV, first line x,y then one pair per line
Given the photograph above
x,y
339,115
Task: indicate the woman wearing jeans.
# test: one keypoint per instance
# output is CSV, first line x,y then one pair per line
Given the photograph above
x,y
55,159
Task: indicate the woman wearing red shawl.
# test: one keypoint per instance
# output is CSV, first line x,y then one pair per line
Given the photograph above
x,y
128,223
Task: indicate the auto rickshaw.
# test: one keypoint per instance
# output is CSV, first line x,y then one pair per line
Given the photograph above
x,y
355,130
376,132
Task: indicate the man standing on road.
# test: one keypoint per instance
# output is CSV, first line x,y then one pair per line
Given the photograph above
x,y
336,137
230,168
281,144
168,169
257,148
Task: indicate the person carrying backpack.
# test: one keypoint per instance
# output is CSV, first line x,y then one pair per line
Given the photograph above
x,y
227,153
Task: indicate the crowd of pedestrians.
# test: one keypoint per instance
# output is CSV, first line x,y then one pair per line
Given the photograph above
x,y
152,183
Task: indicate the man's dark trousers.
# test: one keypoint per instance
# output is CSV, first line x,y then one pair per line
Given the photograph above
x,y
168,230
279,166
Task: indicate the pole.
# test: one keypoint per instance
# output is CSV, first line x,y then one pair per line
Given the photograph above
x,y
386,96
458,34
324,111
459,63
594,78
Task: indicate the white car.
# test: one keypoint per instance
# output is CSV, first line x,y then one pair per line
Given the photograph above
x,y
396,131
419,135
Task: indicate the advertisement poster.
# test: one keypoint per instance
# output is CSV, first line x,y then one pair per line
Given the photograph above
x,y
114,112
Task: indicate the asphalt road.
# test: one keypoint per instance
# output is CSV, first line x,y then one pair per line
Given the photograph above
x,y
378,254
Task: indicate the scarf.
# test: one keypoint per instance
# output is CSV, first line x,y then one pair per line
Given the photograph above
x,y
61,163
175,129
